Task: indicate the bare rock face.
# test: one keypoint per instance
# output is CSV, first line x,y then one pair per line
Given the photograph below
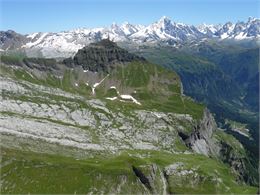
x,y
11,40
92,126
101,56
153,178
200,139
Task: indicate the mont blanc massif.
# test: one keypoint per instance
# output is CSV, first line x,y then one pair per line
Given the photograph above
x,y
167,108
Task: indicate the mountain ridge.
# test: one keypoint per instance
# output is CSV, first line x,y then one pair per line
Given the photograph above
x,y
66,43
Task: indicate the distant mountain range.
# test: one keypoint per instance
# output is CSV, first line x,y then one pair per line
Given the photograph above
x,y
67,43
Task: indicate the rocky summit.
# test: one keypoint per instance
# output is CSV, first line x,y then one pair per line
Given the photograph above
x,y
101,56
110,122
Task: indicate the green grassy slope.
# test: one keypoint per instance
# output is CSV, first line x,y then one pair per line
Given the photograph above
x,y
155,87
41,173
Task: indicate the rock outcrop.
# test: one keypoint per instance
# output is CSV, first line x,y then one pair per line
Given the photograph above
x,y
200,139
203,140
101,56
10,40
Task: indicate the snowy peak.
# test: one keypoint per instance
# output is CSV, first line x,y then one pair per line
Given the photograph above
x,y
208,29
253,27
164,22
115,29
252,19
240,30
163,29
226,30
166,29
67,43
130,29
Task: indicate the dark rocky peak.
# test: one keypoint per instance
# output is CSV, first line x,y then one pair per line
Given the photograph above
x,y
11,40
9,34
101,56
104,43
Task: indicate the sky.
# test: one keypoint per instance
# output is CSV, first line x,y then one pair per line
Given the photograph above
x,y
28,16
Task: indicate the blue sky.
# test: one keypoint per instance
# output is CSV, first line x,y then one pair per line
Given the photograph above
x,y
27,16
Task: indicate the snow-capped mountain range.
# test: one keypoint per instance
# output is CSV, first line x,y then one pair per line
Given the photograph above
x,y
67,43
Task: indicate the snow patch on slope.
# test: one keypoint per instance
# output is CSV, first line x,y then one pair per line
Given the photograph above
x,y
97,84
129,97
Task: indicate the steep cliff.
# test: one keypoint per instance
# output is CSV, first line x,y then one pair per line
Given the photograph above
x,y
208,140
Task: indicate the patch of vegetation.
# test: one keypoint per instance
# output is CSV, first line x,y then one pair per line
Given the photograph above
x,y
111,93
40,61
27,172
11,59
137,74
237,126
230,140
